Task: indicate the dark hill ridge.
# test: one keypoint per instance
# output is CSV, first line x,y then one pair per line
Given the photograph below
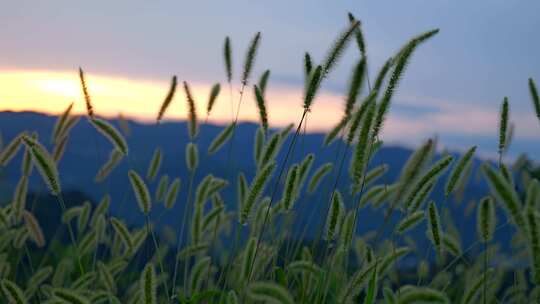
x,y
87,151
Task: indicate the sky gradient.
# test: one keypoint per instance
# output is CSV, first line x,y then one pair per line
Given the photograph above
x,y
453,87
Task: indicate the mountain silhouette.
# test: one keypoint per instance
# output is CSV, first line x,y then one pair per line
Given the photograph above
x,y
87,150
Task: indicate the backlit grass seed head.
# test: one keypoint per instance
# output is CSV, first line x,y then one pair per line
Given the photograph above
x,y
258,146
216,185
167,101
261,106
106,277
227,56
12,292
192,112
269,292
172,193
26,166
124,234
308,65
34,229
506,194
256,189
86,94
99,226
114,159
248,259
390,258
458,171
212,216
486,219
412,169
59,149
263,81
70,123
214,93
11,149
335,131
196,224
192,250
312,87
430,176
435,232
198,274
358,115
88,243
19,198
475,288
371,292
112,134
250,58
154,166
355,284
318,176
284,133
84,281
20,238
303,171
102,208
71,213
148,285
305,268
192,156
362,150
270,150
338,47
241,190
375,173
534,96
376,195
355,86
141,192
60,123
410,222
221,139
37,280
334,217
45,164
161,189
420,199
202,193
422,295
503,124
289,191
505,171
84,215
359,36
347,230
451,245
381,75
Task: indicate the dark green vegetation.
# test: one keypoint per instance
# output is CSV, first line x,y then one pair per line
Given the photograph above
x,y
94,257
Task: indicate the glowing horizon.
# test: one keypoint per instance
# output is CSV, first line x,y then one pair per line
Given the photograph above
x,y
51,92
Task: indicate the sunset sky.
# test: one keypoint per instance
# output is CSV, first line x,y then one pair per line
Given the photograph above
x,y
129,49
